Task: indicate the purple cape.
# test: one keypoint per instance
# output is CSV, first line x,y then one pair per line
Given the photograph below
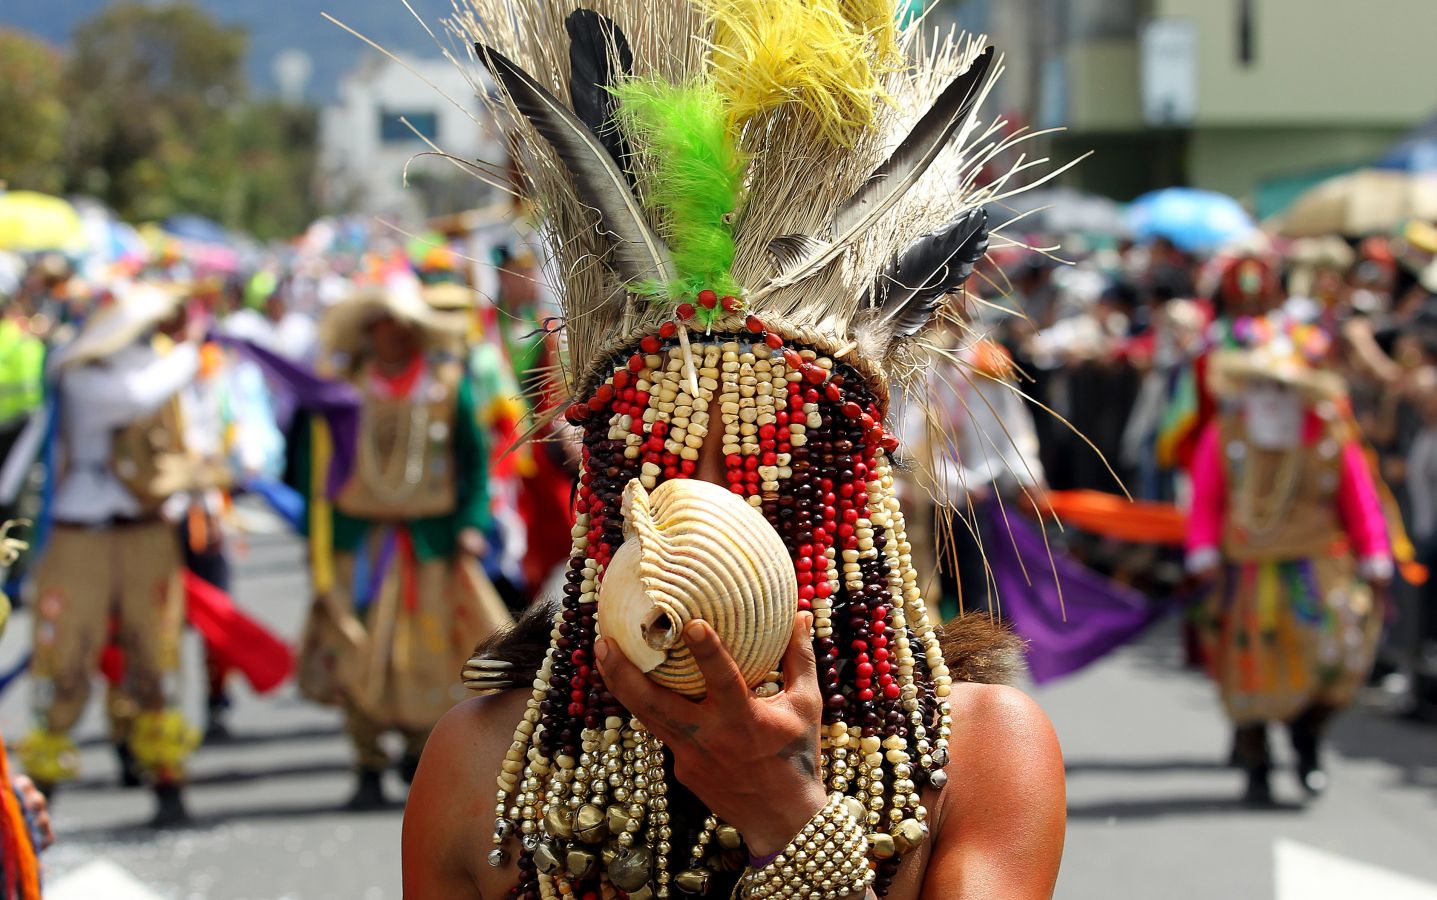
x,y
1067,630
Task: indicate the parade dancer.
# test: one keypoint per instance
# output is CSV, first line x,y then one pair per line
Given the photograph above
x,y
230,434
741,325
118,458
399,598
1288,525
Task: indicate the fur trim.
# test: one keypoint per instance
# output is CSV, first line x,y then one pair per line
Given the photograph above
x,y
981,649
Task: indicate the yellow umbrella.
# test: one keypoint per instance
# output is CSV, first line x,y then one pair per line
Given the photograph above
x,y
1368,201
31,222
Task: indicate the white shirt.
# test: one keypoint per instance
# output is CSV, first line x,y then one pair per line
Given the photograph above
x,y
95,401
294,336
984,436
1422,483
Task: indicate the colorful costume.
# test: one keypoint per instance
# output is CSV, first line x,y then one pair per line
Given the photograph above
x,y
1291,514
777,271
19,859
111,553
399,605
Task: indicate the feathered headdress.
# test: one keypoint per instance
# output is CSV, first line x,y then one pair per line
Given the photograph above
x,y
807,166
757,209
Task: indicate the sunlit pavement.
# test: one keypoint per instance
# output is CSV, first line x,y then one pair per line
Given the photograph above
x,y
1153,810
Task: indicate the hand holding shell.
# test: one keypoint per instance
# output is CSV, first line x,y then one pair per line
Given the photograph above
x,y
694,550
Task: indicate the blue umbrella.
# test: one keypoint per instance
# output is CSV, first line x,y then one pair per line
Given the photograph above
x,y
1196,221
1416,152
197,228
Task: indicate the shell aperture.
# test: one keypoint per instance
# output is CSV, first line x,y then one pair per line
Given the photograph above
x,y
694,550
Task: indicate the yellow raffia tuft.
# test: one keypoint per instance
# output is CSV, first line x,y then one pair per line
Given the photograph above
x,y
879,20
824,55
162,741
49,757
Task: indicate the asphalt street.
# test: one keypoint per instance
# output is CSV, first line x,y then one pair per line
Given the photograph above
x,y
1153,812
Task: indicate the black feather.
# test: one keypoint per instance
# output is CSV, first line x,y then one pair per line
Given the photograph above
x,y
908,293
922,145
891,181
639,254
599,55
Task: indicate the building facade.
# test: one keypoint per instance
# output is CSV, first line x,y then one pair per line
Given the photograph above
x,y
385,113
1255,98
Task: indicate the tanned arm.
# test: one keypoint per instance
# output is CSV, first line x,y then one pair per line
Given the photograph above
x,y
450,814
1003,813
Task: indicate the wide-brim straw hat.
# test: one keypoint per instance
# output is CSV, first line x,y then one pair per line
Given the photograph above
x,y
1416,249
135,310
345,326
1233,371
450,296
1308,256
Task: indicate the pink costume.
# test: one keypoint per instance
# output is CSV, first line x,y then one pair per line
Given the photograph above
x,y
1291,624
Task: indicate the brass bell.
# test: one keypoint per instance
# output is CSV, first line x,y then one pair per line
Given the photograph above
x,y
632,870
909,834
546,858
880,846
559,823
610,853
855,809
728,837
693,881
591,824
618,819
643,893
582,863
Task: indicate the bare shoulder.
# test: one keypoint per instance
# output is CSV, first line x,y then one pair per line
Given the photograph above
x,y
1000,712
449,817
1002,816
1002,745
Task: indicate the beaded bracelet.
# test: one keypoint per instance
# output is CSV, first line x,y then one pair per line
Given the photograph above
x,y
828,860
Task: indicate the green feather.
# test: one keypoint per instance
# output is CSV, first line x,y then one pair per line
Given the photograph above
x,y
693,179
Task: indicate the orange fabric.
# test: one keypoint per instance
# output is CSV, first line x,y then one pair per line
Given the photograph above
x,y
1144,522
1116,517
22,868
212,359
199,530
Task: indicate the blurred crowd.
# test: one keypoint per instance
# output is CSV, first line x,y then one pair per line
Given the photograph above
x,y
1111,345
390,397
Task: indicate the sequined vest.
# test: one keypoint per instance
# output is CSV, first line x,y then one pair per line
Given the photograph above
x,y
404,467
1281,504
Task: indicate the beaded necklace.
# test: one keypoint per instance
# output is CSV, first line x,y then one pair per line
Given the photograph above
x,y
584,786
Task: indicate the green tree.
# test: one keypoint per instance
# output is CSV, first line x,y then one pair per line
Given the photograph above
x,y
32,113
146,85
162,123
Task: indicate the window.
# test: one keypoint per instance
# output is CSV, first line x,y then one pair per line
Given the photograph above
x,y
1246,41
393,128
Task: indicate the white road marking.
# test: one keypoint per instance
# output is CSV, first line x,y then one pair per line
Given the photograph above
x,y
1307,873
101,878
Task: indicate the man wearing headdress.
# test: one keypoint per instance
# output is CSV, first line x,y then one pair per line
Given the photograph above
x,y
731,392
118,458
1288,525
399,598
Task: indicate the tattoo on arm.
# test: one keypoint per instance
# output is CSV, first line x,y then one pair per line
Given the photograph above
x,y
688,730
802,755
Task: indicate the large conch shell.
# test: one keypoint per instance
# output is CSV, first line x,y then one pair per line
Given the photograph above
x,y
694,550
